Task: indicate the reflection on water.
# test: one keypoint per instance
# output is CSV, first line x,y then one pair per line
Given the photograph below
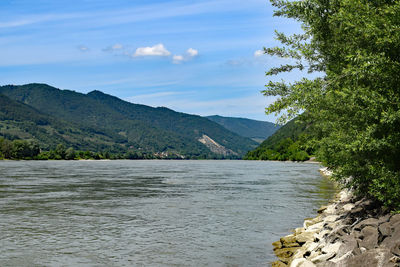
x,y
152,213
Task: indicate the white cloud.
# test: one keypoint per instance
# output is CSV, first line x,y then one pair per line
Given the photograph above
x,y
177,59
192,52
258,53
157,50
83,48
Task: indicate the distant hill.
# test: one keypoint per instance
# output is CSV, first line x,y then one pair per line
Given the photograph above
x,y
256,130
287,143
97,120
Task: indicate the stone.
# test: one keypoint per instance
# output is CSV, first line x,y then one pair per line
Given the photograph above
x,y
369,237
309,222
349,244
330,218
315,227
284,254
395,219
289,241
373,257
277,244
321,209
345,256
392,240
348,207
331,248
298,231
279,264
305,236
368,222
383,219
385,229
302,263
323,257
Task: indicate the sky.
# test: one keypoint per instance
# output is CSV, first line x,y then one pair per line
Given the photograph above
x,y
200,57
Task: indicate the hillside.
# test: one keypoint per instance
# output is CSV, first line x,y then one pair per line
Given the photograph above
x,y
114,124
256,130
287,143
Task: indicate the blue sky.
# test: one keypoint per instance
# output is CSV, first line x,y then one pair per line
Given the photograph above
x,y
193,56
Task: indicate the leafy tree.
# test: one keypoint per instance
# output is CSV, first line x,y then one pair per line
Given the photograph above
x,y
354,101
70,153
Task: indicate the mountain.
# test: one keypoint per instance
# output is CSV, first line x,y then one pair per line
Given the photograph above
x,y
287,143
108,122
256,130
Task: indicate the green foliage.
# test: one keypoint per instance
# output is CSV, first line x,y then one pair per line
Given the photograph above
x,y
100,122
287,143
257,130
354,103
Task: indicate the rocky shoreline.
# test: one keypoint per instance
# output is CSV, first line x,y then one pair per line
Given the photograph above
x,y
347,232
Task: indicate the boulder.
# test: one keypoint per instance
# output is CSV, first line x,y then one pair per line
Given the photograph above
x,y
278,264
395,219
289,241
392,242
348,207
385,229
373,257
367,222
369,237
284,254
323,258
305,236
302,263
277,244
349,244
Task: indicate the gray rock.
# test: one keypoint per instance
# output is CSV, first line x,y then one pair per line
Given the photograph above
x,y
323,258
302,263
385,229
392,242
369,237
384,218
349,244
395,219
368,222
373,257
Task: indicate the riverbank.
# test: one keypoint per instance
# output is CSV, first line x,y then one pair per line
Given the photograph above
x,y
347,232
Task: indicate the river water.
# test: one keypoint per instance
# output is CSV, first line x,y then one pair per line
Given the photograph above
x,y
152,213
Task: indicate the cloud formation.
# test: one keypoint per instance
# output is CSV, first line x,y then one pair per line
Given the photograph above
x,y
113,48
157,50
258,53
83,48
190,53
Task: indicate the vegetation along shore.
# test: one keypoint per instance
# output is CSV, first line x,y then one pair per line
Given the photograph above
x,y
350,111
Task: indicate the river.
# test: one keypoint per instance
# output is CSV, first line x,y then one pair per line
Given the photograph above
x,y
152,213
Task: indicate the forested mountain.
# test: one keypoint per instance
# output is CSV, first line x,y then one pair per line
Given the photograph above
x,y
256,130
291,142
100,121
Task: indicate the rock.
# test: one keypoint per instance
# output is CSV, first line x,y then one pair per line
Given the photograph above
x,y
309,222
277,244
385,229
302,263
330,218
315,227
299,230
368,222
331,248
284,254
289,241
384,218
278,264
369,237
323,257
345,256
349,244
322,209
392,242
373,257
395,219
348,207
305,236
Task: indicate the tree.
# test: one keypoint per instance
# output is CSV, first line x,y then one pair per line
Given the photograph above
x,y
70,153
354,102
